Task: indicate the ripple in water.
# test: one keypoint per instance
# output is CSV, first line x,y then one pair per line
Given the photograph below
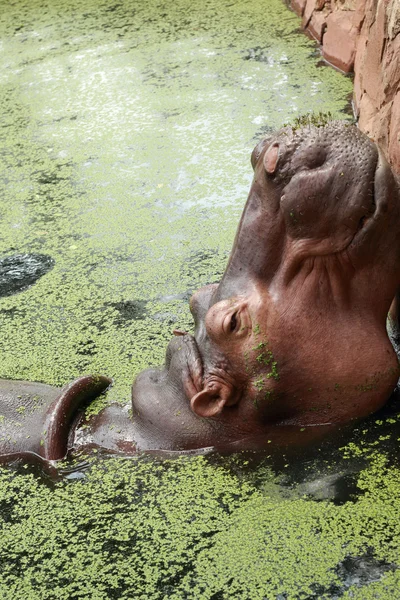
x,y
20,271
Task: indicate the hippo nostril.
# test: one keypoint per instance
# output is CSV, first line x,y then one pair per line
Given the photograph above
x,y
320,160
361,223
316,160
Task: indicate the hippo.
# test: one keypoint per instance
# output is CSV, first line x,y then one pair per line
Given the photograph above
x,y
293,338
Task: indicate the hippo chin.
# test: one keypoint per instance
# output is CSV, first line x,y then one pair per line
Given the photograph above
x,y
294,336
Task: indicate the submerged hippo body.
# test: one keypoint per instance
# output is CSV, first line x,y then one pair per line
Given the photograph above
x,y
35,419
294,336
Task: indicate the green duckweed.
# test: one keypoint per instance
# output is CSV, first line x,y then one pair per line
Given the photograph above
x,y
196,527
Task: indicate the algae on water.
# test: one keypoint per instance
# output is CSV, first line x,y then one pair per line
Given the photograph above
x,y
197,528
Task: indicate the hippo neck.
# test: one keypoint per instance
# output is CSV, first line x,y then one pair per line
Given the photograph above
x,y
335,364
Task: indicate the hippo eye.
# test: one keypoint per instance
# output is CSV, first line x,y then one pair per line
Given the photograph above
x,y
233,323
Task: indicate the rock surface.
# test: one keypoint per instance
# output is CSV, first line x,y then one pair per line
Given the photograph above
x,y
363,36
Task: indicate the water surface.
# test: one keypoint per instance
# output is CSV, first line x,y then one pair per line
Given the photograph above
x,y
125,141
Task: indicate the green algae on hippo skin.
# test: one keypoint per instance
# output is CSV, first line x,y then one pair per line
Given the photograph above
x,y
125,158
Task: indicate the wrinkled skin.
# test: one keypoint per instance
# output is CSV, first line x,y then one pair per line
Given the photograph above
x,y
293,339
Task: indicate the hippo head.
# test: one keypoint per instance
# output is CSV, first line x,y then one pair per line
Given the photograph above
x,y
295,332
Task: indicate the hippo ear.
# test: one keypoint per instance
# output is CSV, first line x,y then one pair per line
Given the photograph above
x,y
271,158
212,399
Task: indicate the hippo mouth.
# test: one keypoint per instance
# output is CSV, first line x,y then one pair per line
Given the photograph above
x,y
190,361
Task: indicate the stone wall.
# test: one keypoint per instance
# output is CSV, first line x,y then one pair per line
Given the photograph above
x,y
364,36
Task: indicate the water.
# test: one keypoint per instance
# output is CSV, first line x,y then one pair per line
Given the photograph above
x,y
19,271
317,524
125,142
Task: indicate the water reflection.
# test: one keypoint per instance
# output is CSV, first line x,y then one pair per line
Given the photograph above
x,y
19,271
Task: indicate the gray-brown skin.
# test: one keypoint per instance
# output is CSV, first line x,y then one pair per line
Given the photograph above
x,y
35,419
293,339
